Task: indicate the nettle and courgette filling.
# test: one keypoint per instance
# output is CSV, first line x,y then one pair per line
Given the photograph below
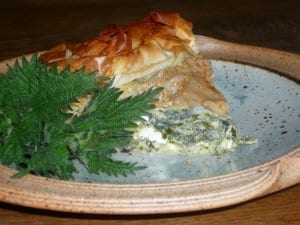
x,y
189,130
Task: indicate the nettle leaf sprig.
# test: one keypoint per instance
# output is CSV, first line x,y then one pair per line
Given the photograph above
x,y
38,136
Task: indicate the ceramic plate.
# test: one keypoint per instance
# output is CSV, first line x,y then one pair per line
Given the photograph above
x,y
264,104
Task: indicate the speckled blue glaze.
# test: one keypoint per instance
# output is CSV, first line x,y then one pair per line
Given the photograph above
x,y
265,106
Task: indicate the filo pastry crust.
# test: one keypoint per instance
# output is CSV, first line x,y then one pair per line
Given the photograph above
x,y
159,50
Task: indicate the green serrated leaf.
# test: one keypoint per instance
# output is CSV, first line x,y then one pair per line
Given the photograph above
x,y
98,163
106,123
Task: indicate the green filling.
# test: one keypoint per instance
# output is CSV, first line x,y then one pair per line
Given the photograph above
x,y
192,130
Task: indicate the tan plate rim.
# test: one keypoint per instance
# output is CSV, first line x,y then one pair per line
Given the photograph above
x,y
170,197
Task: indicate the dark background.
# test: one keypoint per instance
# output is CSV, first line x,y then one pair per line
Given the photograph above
x,y
32,25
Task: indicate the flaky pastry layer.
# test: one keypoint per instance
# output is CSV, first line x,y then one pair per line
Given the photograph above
x,y
129,51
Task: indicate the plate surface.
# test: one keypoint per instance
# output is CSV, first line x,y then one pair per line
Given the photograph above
x,y
265,106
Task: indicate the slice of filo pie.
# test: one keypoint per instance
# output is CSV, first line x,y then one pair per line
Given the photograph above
x,y
158,51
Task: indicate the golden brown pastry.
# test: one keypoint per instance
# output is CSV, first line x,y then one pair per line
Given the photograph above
x,y
159,50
